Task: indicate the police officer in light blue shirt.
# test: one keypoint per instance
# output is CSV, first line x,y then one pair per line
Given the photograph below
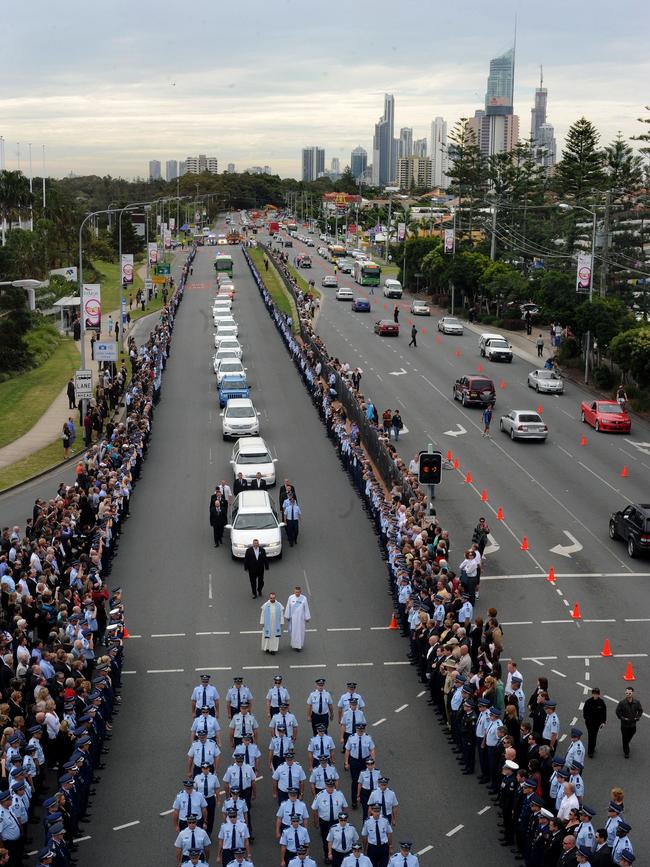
x,y
356,858
208,724
563,775
188,802
293,806
359,746
516,680
350,693
201,751
386,799
192,837
320,708
287,719
236,695
577,749
242,723
403,858
292,838
321,773
377,834
326,807
614,818
621,841
237,803
554,784
320,745
585,834
208,784
205,695
551,730
340,838
279,746
349,719
233,835
288,776
250,751
368,782
276,696
576,768
302,858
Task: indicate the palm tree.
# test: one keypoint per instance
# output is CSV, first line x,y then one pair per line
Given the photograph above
x,y
14,196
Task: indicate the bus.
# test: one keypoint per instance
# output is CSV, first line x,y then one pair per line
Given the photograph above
x,y
367,273
336,252
223,265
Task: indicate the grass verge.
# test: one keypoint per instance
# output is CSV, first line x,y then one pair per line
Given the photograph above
x,y
44,459
24,399
110,280
276,287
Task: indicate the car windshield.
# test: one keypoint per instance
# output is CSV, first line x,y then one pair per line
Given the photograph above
x,y
228,354
240,412
254,458
451,321
239,382
264,521
608,409
500,344
481,385
529,417
547,374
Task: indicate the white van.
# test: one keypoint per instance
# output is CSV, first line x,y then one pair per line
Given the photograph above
x,y
253,516
392,288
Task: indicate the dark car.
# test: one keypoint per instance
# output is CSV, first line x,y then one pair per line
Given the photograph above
x,y
386,328
361,305
474,390
632,525
288,243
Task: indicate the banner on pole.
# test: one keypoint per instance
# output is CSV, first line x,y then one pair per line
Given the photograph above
x,y
152,249
168,239
172,223
401,231
91,304
127,268
449,241
583,273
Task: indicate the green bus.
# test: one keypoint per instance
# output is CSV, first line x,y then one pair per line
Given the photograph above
x,y
223,265
367,273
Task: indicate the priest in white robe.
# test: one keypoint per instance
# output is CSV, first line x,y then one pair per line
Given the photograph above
x,y
297,615
271,621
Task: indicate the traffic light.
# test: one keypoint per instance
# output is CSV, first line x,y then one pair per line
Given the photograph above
x,y
430,468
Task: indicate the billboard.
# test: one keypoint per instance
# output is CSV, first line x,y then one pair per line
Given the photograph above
x,y
583,272
70,273
138,221
127,268
91,305
152,252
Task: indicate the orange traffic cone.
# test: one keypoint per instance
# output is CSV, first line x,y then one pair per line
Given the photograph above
x,y
455,463
393,622
479,368
607,650
583,441
629,674
457,353
502,384
499,514
125,634
575,614
551,575
484,496
437,338
624,473
449,455
468,478
540,409
524,544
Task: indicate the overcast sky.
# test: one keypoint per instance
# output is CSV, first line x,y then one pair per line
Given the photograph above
x,y
108,86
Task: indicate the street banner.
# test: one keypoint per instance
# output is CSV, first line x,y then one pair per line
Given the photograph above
x,y
158,220
105,351
172,223
449,241
152,253
127,268
583,273
91,305
168,239
401,231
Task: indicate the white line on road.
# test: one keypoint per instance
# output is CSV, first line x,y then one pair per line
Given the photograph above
x,y
600,621
128,825
484,810
250,631
344,629
569,575
406,662
401,708
557,621
165,812
421,693
401,403
210,586
562,738
165,671
378,628
87,837
379,377
215,668
258,667
353,664
559,673
212,633
600,478
536,658
573,721
425,850
304,572
315,665
565,451
518,623
454,830
379,722
210,454
637,620
168,635
130,672
625,655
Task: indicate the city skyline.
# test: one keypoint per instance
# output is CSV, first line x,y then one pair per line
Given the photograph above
x,y
94,122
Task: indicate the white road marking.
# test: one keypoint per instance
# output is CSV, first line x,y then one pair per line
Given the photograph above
x,y
484,810
604,481
210,585
344,629
611,620
536,658
518,623
562,738
421,693
128,825
554,621
425,850
304,572
212,633
353,664
258,667
625,655
565,451
215,668
573,721
379,722
454,830
129,672
379,377
168,635
406,662
314,665
87,837
637,620
378,628
250,631
165,812
568,575
165,671
401,708
559,673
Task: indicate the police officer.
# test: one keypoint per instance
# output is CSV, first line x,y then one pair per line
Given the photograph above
x,y
521,819
202,750
188,802
207,783
320,708
576,779
621,840
196,857
584,833
287,776
208,724
293,806
344,702
241,859
340,839
250,751
321,773
348,721
517,695
292,838
302,858
490,740
554,784
577,749
191,837
233,835
326,807
356,858
467,728
540,838
275,696
377,835
243,722
507,793
551,730
279,746
287,719
387,800
205,695
368,782
614,819
236,694
320,745
359,746
482,723
234,801
404,858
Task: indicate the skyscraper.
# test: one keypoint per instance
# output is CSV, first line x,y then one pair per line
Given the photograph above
x,y
542,134
538,112
200,164
384,145
335,166
438,153
358,162
499,128
413,172
313,163
171,170
154,170
420,147
405,142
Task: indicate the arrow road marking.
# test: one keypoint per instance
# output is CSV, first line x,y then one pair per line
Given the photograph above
x,y
456,433
642,447
493,547
400,372
567,550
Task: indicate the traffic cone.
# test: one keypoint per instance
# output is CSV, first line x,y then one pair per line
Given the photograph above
x,y
607,650
551,575
624,473
479,368
629,674
484,496
583,441
437,338
468,478
575,614
502,383
540,409
499,514
457,353
125,634
455,463
449,455
393,622
424,331
524,544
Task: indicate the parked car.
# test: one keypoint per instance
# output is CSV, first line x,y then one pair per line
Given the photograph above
x,y
450,325
239,418
632,525
345,266
605,415
361,305
387,328
253,516
546,381
329,281
344,293
229,343
495,347
225,331
420,308
474,390
222,354
523,424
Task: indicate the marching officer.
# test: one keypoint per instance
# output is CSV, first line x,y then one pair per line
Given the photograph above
x,y
377,835
208,724
302,858
321,773
340,839
201,751
279,746
387,800
288,775
320,745
235,802
188,802
191,837
205,695
320,708
577,749
236,695
207,783
243,722
287,719
326,807
250,751
368,782
241,859
233,835
350,693
291,807
242,776
356,858
292,838
357,750
403,858
348,720
276,695
551,730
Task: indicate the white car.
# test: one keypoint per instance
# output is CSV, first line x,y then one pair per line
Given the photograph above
x,y
223,354
345,266
322,251
546,380
253,516
330,281
224,317
344,293
450,325
252,456
239,419
223,302
222,242
523,424
495,347
224,331
229,365
420,308
230,343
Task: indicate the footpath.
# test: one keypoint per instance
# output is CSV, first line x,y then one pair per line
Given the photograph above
x,y
49,426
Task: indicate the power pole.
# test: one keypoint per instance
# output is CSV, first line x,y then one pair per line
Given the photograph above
x,y
604,268
390,204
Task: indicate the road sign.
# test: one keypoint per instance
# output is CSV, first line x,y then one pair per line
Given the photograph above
x,y
164,268
83,384
105,351
158,279
148,287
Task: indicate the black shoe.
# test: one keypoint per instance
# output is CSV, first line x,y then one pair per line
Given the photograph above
x,y
254,595
468,773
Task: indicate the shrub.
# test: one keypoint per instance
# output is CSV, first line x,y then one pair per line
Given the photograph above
x,y
641,402
604,377
512,324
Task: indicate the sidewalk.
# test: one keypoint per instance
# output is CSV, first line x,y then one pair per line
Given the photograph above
x,y
49,426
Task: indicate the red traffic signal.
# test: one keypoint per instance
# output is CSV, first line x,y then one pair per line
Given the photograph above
x,y
430,468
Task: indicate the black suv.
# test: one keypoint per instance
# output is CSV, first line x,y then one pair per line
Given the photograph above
x,y
474,390
632,525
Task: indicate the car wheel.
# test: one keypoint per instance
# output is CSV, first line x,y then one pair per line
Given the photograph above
x,y
455,394
500,425
631,547
482,353
582,417
512,434
612,530
537,387
463,400
596,425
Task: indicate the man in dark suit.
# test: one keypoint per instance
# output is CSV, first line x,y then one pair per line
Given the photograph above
x,y
258,483
218,517
568,857
241,484
255,563
286,488
602,857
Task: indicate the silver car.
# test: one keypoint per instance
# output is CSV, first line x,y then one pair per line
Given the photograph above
x,y
523,424
546,380
420,308
450,325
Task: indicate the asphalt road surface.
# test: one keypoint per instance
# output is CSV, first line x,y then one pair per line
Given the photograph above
x,y
188,606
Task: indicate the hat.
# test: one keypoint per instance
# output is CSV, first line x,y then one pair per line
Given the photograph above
x,y
320,727
576,733
45,853
385,780
530,784
461,678
239,851
536,799
356,845
370,760
290,754
564,772
546,813
234,789
484,702
281,727
351,683
68,778
231,811
277,678
550,703
585,850
494,711
587,811
284,704
302,850
343,815
239,757
627,855
405,844
360,725
576,764
193,852
238,679
33,730
244,703
558,760
512,765
330,781
49,802
623,826
192,817
205,764
614,808
17,786
188,784
320,680
205,677
516,678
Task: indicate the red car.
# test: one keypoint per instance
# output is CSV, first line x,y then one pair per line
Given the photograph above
x,y
605,415
387,328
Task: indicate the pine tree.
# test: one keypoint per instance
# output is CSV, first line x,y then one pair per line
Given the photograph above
x,y
624,168
581,167
467,173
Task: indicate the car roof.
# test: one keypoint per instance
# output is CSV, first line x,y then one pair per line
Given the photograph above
x,y
253,501
252,444
386,322
474,376
239,402
488,336
526,412
231,377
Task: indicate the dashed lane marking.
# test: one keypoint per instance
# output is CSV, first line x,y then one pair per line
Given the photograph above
x,y
165,812
401,708
559,673
165,671
405,662
379,722
313,665
568,575
168,634
421,693
353,664
215,668
516,622
454,830
259,667
212,633
344,629
425,850
127,825
484,810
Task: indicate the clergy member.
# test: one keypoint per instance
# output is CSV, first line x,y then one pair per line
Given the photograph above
x,y
297,615
271,621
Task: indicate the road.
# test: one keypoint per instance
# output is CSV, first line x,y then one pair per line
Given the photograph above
x,y
189,606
